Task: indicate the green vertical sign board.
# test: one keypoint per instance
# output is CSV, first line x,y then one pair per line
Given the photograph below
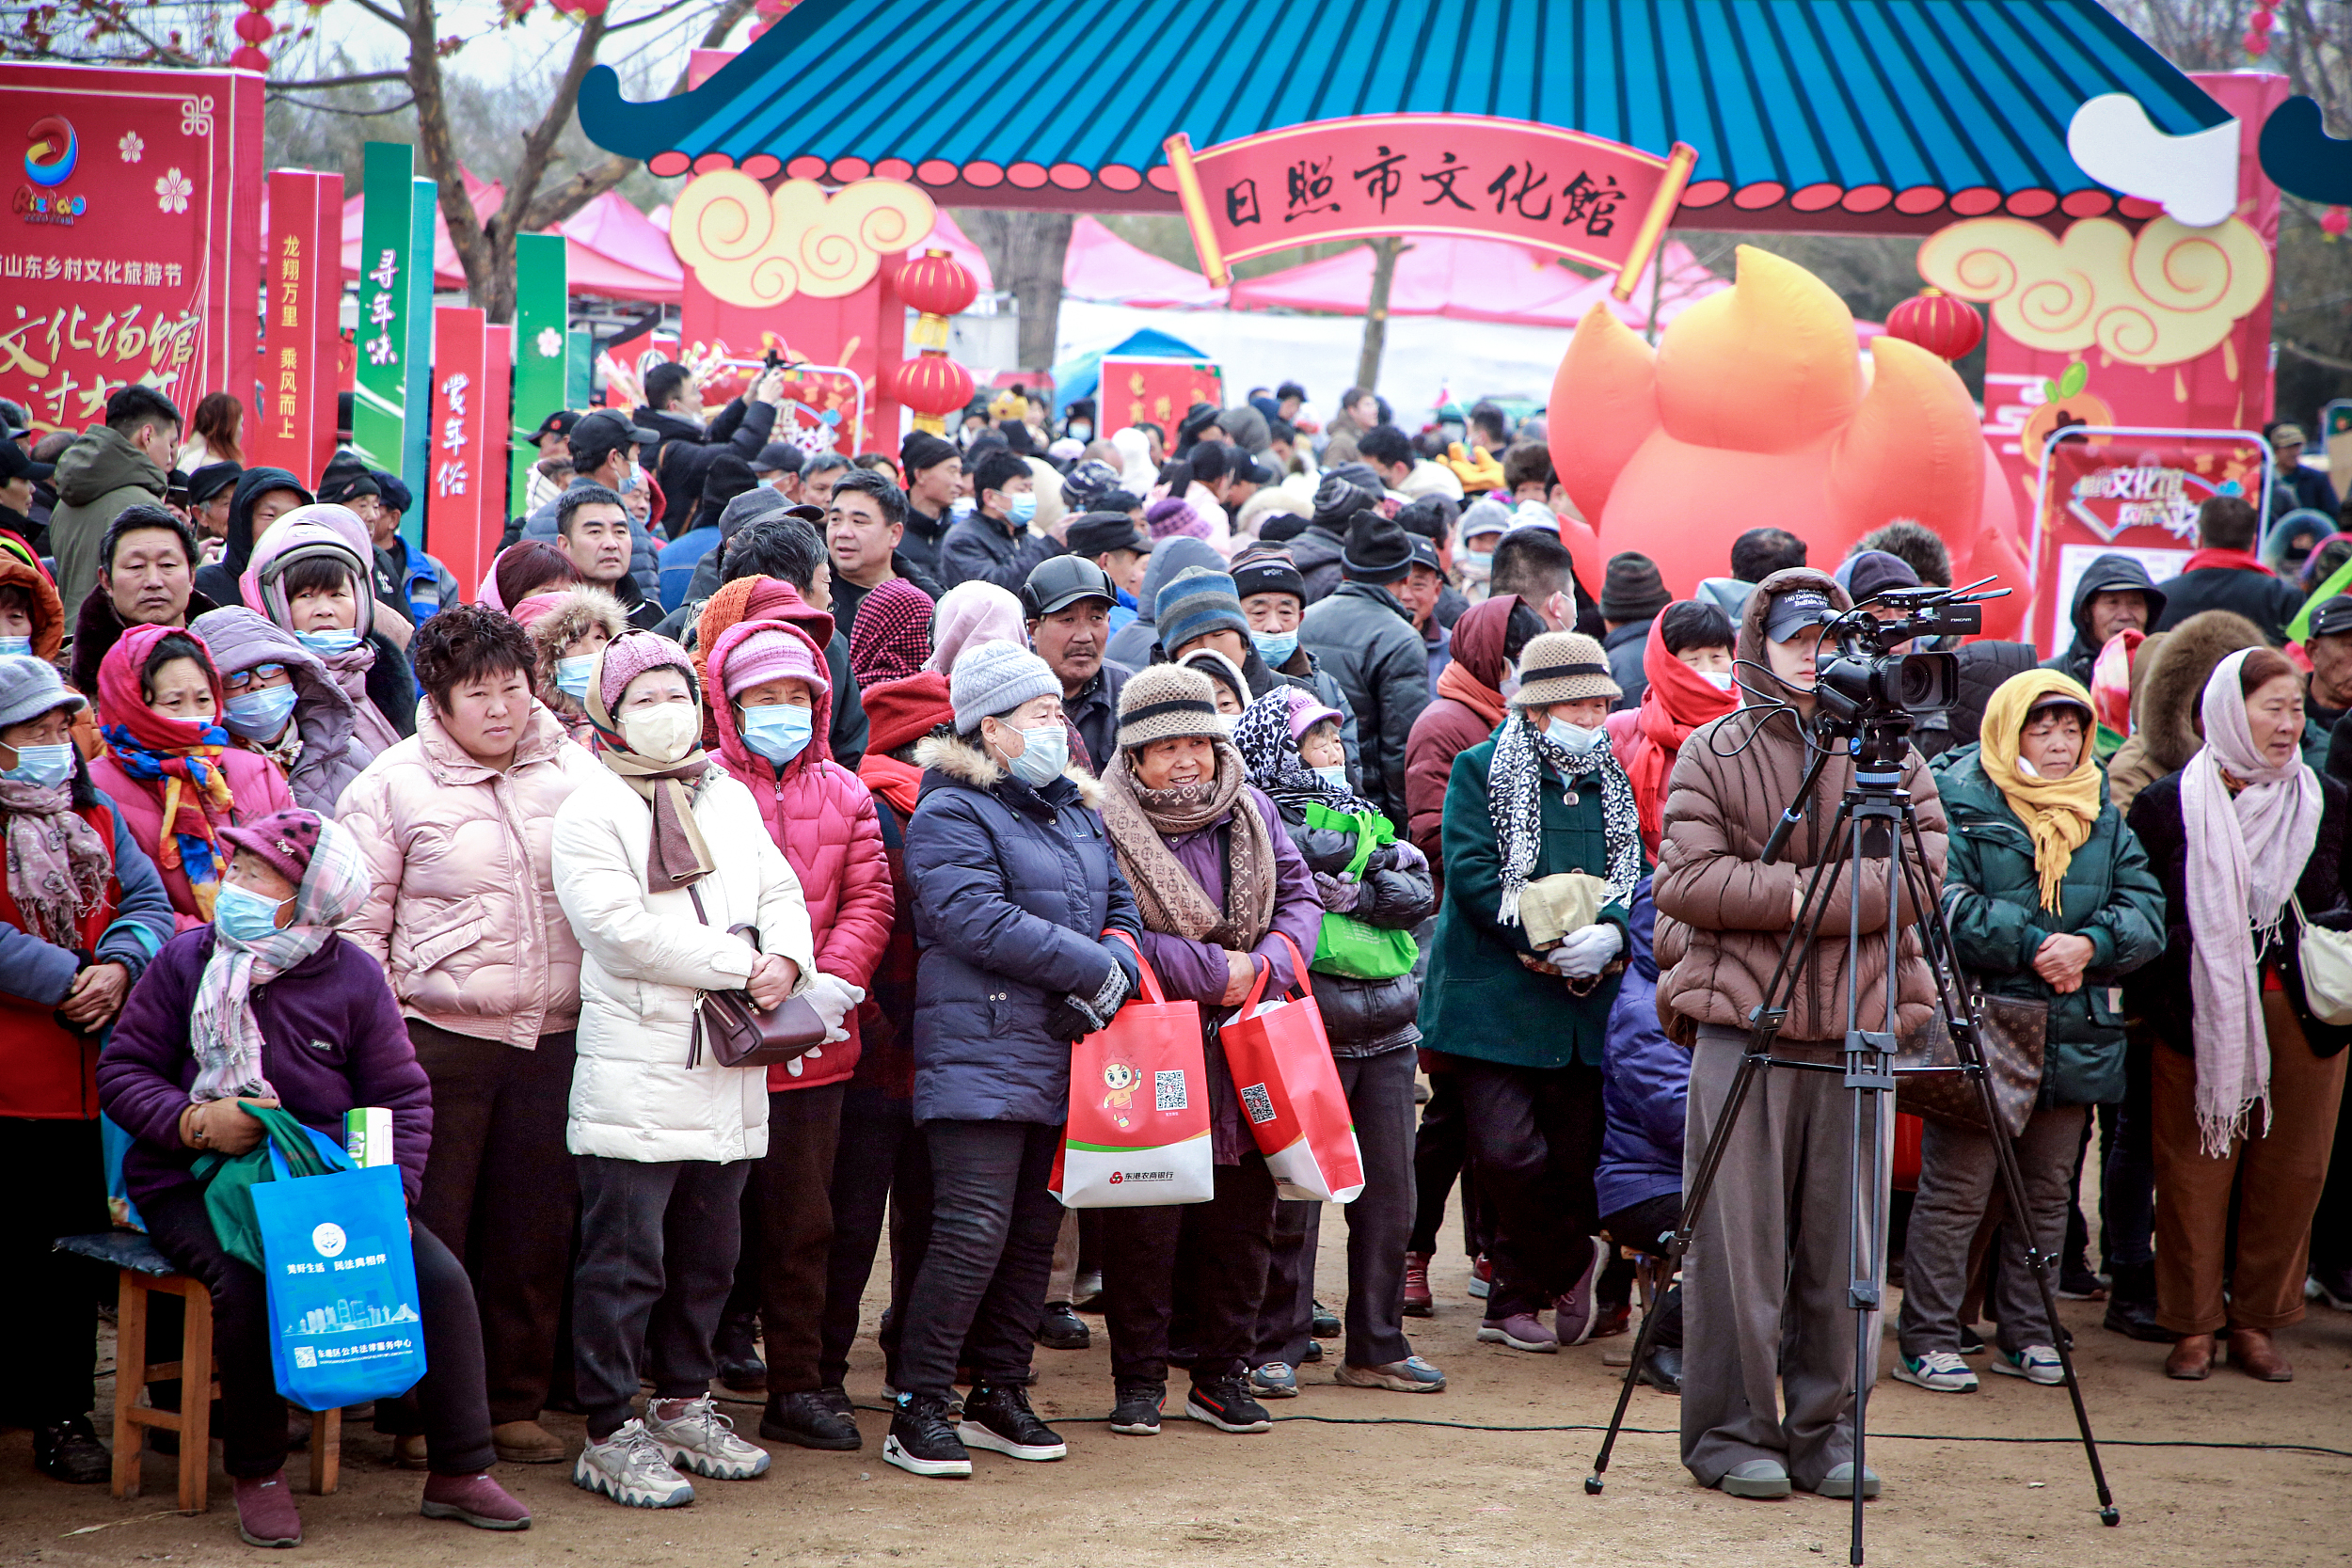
x,y
415,451
542,352
579,371
377,420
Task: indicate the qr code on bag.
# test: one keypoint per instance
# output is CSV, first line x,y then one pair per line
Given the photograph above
x,y
1260,1105
1167,1090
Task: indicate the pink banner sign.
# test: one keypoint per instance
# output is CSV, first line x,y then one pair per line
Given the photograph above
x,y
302,272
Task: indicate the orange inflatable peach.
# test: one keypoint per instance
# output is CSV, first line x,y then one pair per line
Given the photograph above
x,y
1752,412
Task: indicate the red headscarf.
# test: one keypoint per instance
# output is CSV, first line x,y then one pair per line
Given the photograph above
x,y
179,756
1647,739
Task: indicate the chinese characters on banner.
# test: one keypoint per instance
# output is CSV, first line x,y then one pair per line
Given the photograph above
x,y
134,240
378,415
296,427
1155,391
465,475
1377,175
2131,493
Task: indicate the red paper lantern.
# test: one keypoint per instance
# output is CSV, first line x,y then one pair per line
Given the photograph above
x,y
936,284
933,385
254,27
250,59
1932,319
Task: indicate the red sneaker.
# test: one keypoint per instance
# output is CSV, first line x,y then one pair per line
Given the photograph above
x,y
1481,1278
266,1512
477,1499
1419,1303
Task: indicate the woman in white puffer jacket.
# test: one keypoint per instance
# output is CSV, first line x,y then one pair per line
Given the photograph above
x,y
657,854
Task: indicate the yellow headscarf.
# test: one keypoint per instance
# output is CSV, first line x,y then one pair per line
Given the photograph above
x,y
2057,813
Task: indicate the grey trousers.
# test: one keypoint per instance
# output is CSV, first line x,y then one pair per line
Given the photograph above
x,y
1958,1177
1765,1319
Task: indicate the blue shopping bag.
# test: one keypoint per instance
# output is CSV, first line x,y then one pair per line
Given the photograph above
x,y
345,1325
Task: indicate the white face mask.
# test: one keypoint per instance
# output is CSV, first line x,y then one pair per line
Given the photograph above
x,y
1510,687
1720,679
2025,768
1335,776
1575,739
663,732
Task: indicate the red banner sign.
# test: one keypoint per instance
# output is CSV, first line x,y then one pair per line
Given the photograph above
x,y
132,249
2129,492
1377,175
302,272
1157,391
463,468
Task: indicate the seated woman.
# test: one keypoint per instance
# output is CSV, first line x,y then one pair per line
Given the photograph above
x,y
269,1005
283,703
171,767
313,577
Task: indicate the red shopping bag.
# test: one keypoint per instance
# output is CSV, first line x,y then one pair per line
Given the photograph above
x,y
1138,1129
1289,1087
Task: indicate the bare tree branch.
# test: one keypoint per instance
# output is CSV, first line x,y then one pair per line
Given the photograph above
x,y
2327,361
362,79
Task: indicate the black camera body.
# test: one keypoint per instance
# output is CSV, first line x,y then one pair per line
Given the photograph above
x,y
1866,688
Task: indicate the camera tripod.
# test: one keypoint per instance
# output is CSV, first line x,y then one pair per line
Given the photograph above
x,y
1875,821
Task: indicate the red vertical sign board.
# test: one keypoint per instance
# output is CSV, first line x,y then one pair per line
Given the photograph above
x,y
1138,391
133,243
302,283
461,467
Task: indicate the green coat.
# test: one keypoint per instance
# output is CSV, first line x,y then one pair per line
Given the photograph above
x,y
1479,1001
1993,897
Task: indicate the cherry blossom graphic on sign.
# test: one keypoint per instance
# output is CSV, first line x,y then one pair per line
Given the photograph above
x,y
132,148
173,190
550,342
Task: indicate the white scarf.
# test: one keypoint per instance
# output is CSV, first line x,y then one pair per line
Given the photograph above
x,y
2245,854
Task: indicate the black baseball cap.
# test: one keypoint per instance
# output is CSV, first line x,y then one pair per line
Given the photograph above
x,y
1793,610
1244,465
779,457
1097,532
208,481
2332,618
1424,552
558,423
1060,581
604,432
15,463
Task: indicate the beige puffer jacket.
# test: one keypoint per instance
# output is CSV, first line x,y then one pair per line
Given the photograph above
x,y
463,915
1722,916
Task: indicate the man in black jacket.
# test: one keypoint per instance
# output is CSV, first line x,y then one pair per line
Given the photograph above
x,y
995,544
2113,594
2225,574
1067,602
1365,639
934,472
673,410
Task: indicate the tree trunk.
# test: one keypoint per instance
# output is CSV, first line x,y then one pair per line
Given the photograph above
x,y
1384,255
1026,251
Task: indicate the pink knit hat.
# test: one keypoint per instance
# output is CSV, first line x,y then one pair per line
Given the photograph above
x,y
284,840
769,656
629,656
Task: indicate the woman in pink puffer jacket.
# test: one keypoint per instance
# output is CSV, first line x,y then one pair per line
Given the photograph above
x,y
772,704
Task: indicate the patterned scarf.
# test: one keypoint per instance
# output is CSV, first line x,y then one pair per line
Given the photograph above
x,y
1142,820
1514,797
222,1030
197,800
1263,736
57,865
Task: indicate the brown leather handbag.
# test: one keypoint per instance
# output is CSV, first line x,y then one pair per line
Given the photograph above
x,y
741,1033
2015,1035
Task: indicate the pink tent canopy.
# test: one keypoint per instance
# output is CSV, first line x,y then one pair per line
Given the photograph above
x,y
1103,267
1472,280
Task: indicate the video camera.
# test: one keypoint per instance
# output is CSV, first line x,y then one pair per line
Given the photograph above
x,y
1866,688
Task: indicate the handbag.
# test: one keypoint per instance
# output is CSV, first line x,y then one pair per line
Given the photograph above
x,y
2014,1034
1345,945
345,1322
2326,963
1138,1130
1289,1090
740,1032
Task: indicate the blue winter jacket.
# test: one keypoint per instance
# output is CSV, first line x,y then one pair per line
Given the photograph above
x,y
1013,890
1644,1079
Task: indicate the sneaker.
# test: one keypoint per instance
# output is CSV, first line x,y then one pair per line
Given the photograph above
x,y
1274,1381
922,1441
266,1512
1520,1331
477,1499
997,1418
70,1451
696,1437
1411,1375
1314,1353
836,1398
1062,1329
808,1420
1756,1477
2075,1282
1575,1312
2332,1286
1939,1371
1225,1405
1839,1482
1137,1412
1326,1324
736,1346
1482,1277
2035,1363
630,1469
1419,1303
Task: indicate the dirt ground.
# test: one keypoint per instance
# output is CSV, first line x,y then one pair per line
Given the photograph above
x,y
1333,1485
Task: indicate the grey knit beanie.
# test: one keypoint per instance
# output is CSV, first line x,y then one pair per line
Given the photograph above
x,y
31,687
991,679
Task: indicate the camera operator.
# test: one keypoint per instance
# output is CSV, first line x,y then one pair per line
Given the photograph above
x,y
1764,1255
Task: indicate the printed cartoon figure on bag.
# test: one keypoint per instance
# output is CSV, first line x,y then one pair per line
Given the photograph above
x,y
1121,1078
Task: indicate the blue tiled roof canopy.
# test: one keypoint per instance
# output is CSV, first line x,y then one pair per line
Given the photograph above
x,y
1824,114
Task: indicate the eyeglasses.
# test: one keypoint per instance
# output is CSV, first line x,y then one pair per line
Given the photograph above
x,y
247,680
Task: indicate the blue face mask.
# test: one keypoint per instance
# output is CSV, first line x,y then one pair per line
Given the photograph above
x,y
1274,647
242,915
778,731
1078,430
1575,739
45,766
571,675
1478,564
16,647
1336,777
260,715
328,641
1020,509
1045,751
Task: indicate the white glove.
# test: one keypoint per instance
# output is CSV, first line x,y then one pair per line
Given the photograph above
x,y
1581,954
833,997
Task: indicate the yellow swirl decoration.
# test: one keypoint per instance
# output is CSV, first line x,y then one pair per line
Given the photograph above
x,y
755,247
2161,297
719,217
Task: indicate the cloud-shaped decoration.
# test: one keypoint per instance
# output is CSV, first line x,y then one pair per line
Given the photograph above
x,y
2302,159
2193,176
2166,296
752,246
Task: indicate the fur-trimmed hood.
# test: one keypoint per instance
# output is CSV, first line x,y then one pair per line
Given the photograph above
x,y
959,761
576,612
2170,675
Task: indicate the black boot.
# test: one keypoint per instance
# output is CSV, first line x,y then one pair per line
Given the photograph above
x,y
808,1419
1062,1329
737,1347
69,1450
2132,1304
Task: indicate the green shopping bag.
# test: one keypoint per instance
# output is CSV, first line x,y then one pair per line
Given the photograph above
x,y
229,1180
1346,945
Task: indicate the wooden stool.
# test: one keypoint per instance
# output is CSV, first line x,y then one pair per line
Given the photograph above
x,y
142,1272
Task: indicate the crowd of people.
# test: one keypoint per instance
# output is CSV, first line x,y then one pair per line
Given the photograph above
x,y
953,746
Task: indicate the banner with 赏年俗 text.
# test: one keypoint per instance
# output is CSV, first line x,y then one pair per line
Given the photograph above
x,y
1143,390
133,243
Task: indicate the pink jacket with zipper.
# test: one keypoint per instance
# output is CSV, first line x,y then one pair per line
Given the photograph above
x,y
462,913
821,816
